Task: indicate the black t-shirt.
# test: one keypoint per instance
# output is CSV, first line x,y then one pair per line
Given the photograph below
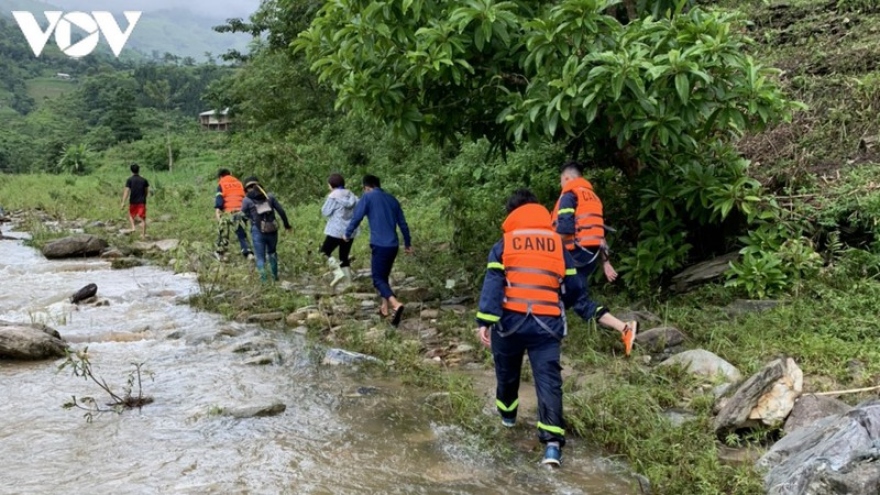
x,y
138,186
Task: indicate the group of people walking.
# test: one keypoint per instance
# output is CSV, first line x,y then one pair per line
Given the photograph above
x,y
236,205
539,268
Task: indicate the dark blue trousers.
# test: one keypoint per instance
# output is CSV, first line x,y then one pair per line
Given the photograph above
x,y
585,307
381,263
544,354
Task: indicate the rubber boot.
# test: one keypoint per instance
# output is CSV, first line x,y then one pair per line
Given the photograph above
x,y
338,276
262,270
346,280
273,264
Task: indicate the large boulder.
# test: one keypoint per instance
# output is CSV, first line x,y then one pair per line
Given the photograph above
x,y
811,408
84,293
766,397
702,272
836,455
705,363
74,246
658,339
29,342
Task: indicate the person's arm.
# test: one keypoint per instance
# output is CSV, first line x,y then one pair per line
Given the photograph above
x,y
281,212
565,223
360,210
492,294
218,203
404,228
328,207
126,192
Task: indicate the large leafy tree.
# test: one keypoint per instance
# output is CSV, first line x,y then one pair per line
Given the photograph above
x,y
660,95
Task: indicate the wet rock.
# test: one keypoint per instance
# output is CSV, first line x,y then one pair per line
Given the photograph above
x,y
811,408
702,272
74,246
428,334
412,294
411,325
250,345
24,341
258,411
265,317
335,357
738,457
175,335
463,348
295,318
111,253
164,245
679,417
301,330
657,339
367,304
705,363
767,397
84,293
125,263
262,359
455,308
363,296
642,316
745,306
429,314
836,455
363,392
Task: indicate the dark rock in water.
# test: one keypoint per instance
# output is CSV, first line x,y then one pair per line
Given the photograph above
x,y
837,455
702,272
74,246
124,263
258,411
30,341
84,293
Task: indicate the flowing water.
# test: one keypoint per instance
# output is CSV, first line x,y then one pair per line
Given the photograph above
x,y
343,431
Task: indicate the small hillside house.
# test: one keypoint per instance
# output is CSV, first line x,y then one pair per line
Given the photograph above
x,y
215,121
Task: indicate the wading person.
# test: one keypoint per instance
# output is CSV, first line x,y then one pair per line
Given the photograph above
x,y
136,191
530,280
260,208
338,209
384,215
578,218
227,210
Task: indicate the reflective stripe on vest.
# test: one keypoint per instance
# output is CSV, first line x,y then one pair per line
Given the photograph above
x,y
232,192
589,224
534,266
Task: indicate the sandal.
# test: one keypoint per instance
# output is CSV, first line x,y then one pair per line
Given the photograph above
x,y
398,315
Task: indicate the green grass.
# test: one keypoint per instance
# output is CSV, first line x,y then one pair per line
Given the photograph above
x,y
41,88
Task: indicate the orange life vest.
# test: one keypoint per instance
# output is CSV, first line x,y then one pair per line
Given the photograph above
x,y
232,192
534,262
589,224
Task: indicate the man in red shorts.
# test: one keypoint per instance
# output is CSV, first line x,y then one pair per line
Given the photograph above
x,y
136,190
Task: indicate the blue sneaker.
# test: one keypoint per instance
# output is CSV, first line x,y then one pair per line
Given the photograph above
x,y
552,456
508,423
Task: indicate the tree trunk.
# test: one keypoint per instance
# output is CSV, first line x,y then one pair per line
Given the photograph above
x,y
168,145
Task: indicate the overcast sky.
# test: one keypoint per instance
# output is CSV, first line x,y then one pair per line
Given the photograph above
x,y
219,9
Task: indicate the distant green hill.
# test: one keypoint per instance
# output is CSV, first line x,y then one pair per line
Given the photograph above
x,y
177,31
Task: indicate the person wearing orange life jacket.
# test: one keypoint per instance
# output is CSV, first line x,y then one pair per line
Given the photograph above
x,y
227,210
530,280
578,218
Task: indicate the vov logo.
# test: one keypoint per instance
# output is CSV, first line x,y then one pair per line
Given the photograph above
x,y
61,24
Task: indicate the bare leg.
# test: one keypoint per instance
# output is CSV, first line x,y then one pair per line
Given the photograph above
x,y
394,303
143,228
608,320
384,308
131,219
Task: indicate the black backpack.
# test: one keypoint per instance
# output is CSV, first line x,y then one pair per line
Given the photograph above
x,y
266,215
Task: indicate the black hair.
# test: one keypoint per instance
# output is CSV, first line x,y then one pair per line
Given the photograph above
x,y
371,181
520,197
223,172
572,166
336,180
135,168
250,180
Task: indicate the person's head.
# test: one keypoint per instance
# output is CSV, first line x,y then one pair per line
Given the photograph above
x,y
135,168
336,181
520,197
570,171
371,182
223,173
250,183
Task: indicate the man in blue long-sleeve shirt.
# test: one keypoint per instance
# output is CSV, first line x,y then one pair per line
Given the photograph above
x,y
384,215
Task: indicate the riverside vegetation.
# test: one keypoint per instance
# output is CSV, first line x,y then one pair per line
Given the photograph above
x,y
802,214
